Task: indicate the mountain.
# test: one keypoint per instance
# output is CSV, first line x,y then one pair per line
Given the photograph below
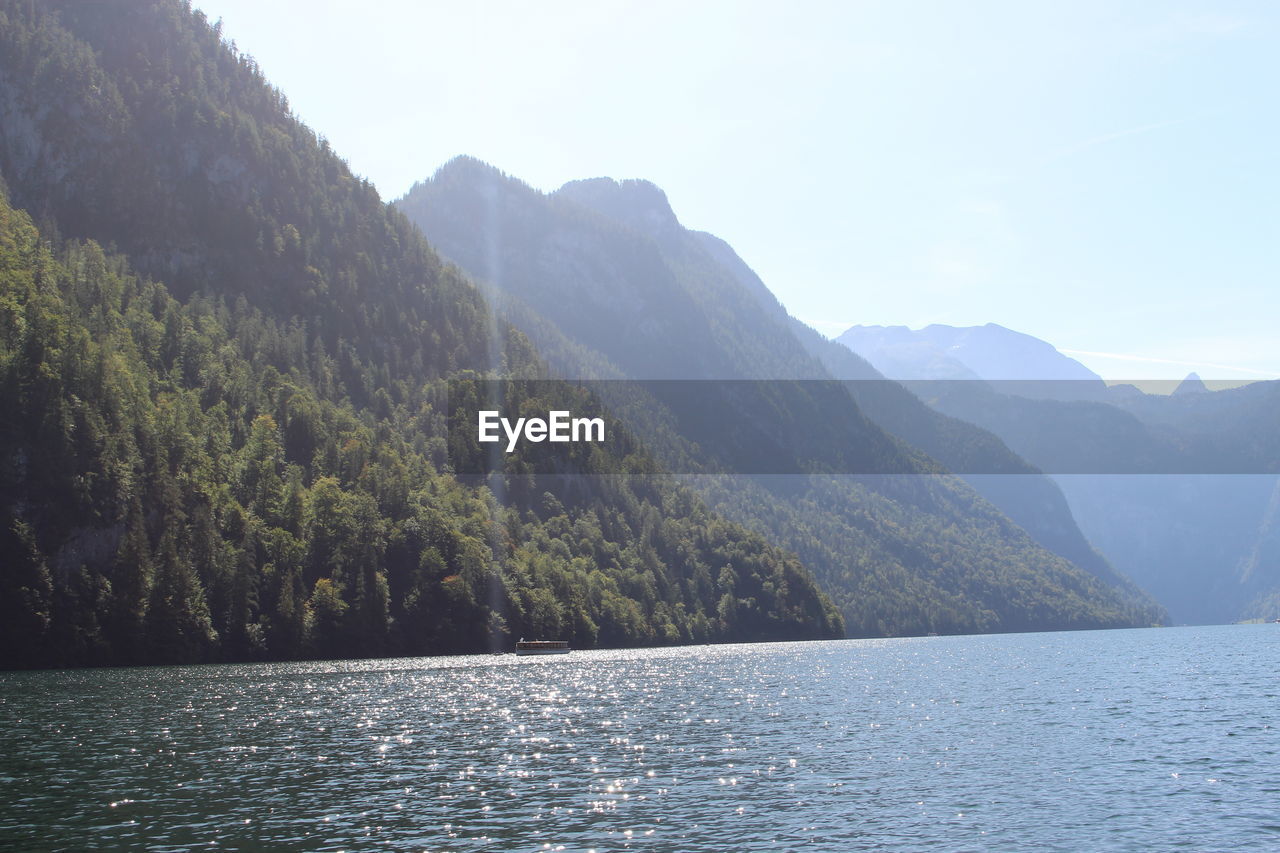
x,y
224,363
611,285
1193,384
1213,502
1178,491
1206,546
1174,489
1031,500
972,352
899,353
1023,364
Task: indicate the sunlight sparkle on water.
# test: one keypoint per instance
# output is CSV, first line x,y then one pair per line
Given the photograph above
x,y
980,742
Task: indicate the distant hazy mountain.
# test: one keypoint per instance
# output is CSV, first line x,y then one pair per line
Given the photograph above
x,y
989,352
1206,544
1193,384
1178,490
608,283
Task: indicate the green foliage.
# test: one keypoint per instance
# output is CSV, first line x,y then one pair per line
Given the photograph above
x,y
134,125
191,501
26,595
249,461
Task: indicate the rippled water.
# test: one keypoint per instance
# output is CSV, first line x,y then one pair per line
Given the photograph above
x,y
1097,740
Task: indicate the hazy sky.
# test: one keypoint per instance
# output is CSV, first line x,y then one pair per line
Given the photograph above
x,y
1100,175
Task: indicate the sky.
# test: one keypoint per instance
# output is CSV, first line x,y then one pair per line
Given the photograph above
x,y
1100,175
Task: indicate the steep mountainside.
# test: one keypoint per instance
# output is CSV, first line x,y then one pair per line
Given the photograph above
x,y
1179,491
1031,500
224,438
900,554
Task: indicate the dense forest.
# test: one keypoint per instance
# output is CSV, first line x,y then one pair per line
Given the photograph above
x,y
223,435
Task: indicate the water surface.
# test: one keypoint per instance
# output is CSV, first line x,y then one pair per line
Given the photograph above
x,y
1154,739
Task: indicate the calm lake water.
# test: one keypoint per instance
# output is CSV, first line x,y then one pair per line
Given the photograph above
x,y
1115,740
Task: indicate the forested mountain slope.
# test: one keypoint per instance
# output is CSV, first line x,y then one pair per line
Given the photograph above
x,y
223,436
1031,499
612,285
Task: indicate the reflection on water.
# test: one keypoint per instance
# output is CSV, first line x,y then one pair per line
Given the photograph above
x,y
1077,741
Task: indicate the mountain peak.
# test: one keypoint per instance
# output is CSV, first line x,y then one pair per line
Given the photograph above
x,y
471,171
466,163
1193,384
637,203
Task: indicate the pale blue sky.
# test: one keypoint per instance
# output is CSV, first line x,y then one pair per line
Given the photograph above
x,y
1101,175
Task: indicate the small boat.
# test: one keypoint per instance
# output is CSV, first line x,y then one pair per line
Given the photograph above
x,y
542,647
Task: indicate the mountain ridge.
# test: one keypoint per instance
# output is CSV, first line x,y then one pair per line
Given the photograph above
x,y
519,249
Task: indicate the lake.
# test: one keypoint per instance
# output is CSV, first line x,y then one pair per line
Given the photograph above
x,y
1099,740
